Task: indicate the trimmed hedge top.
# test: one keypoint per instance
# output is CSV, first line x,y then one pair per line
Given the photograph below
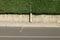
x,y
14,6
46,6
24,6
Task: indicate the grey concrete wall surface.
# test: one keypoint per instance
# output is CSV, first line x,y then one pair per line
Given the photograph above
x,y
14,18
35,18
46,18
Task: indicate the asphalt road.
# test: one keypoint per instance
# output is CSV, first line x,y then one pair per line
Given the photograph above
x,y
30,33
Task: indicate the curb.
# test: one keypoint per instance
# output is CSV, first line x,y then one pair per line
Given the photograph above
x,y
19,24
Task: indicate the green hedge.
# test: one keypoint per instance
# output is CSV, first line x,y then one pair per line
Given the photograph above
x,y
14,6
23,6
46,6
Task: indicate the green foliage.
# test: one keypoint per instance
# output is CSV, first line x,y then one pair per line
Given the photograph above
x,y
46,6
14,6
23,6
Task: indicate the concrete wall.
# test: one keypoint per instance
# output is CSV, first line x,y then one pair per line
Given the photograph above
x,y
35,18
14,18
46,18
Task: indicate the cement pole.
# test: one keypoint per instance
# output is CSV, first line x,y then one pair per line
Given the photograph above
x,y
30,15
